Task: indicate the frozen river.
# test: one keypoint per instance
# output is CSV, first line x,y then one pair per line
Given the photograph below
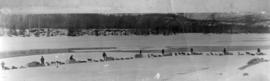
x,y
200,42
174,68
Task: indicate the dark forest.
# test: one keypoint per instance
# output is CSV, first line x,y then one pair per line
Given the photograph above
x,y
138,24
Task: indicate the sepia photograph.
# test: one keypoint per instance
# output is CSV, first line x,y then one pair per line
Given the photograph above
x,y
134,40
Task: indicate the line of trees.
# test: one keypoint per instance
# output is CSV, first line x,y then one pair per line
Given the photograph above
x,y
141,24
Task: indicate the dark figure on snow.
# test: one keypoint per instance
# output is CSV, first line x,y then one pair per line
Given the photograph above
x,y
42,60
71,58
191,50
104,55
140,51
224,51
258,50
163,51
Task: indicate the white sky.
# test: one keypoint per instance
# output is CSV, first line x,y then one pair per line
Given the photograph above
x,y
132,6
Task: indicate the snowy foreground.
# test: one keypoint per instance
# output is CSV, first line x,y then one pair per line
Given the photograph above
x,y
171,68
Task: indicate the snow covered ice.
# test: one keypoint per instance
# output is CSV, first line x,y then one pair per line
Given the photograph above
x,y
204,67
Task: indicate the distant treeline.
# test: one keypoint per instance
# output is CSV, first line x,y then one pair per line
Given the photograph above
x,y
140,24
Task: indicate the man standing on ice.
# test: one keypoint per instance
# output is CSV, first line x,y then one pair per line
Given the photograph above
x,y
42,60
191,50
104,55
224,51
163,51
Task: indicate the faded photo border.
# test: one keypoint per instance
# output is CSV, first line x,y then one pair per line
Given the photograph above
x,y
134,40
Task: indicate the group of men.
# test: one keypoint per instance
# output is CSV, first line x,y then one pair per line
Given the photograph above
x,y
71,58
